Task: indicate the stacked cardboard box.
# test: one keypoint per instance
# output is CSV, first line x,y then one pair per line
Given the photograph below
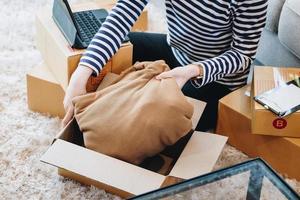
x,y
265,122
235,120
45,94
60,61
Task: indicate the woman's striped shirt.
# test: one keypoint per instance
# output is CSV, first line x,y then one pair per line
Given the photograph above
x,y
221,35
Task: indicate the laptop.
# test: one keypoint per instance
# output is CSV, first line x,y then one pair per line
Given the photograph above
x,y
78,28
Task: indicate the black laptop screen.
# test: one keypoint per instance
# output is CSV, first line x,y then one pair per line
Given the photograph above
x,y
68,10
63,17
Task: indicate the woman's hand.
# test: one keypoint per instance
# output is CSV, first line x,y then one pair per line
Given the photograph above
x,y
77,86
181,74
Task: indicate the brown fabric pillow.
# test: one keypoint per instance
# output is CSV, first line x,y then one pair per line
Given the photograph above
x,y
136,116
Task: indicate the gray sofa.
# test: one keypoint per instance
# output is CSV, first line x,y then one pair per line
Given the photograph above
x,y
280,41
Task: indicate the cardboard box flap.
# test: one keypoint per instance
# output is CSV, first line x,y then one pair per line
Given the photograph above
x,y
198,110
102,168
43,73
70,133
202,150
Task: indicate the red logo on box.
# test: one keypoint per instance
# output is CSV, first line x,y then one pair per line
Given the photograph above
x,y
279,123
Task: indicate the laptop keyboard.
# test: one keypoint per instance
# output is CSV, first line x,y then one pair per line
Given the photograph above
x,y
87,24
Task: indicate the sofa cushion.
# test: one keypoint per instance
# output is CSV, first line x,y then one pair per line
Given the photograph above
x,y
273,14
272,52
289,26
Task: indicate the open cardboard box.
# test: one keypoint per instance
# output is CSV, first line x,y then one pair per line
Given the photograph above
x,y
124,179
264,122
62,60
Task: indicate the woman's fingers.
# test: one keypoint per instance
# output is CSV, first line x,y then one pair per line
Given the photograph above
x,y
163,75
69,115
142,64
66,102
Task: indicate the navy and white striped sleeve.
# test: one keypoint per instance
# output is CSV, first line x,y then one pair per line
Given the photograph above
x,y
111,34
248,23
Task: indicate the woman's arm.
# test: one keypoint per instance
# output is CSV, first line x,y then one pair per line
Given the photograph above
x,y
248,23
103,46
111,34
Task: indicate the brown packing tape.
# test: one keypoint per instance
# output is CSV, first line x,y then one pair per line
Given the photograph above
x,y
44,93
281,153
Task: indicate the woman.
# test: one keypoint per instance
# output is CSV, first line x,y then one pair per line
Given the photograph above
x,y
210,46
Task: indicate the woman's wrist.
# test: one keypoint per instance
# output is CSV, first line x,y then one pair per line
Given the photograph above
x,y
80,76
195,70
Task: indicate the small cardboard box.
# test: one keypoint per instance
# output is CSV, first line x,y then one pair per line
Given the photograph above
x,y
44,93
264,122
61,58
124,179
234,121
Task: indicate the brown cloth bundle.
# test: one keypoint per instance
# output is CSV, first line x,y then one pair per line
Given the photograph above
x,y
136,116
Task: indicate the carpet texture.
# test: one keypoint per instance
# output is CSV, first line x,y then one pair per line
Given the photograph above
x,y
24,135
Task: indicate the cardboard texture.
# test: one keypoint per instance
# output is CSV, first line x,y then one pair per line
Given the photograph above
x,y
62,59
44,93
141,25
264,122
234,121
124,179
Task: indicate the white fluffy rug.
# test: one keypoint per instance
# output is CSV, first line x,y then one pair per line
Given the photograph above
x,y
24,135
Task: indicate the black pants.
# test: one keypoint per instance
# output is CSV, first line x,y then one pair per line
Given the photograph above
x,y
153,46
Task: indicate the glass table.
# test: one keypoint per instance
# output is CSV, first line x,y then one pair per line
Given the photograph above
x,y
249,180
